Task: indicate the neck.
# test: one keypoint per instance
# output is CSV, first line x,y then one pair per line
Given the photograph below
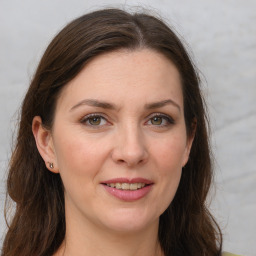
x,y
91,240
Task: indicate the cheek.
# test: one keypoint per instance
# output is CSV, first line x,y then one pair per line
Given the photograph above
x,y
170,153
78,153
169,156
79,162
80,159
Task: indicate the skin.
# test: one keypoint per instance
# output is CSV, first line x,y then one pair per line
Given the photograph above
x,y
129,140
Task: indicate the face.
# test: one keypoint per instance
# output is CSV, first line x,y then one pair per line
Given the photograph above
x,y
119,140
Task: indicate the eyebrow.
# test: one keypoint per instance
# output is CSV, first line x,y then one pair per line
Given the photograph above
x,y
94,103
107,105
162,103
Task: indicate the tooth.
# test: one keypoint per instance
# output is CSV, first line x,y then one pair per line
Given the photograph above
x,y
133,186
118,185
125,186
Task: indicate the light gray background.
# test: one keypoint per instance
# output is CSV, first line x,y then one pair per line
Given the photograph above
x,y
222,36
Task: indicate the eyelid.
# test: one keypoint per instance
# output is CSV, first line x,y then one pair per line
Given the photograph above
x,y
85,118
168,118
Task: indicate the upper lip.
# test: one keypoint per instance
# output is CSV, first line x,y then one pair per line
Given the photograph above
x,y
128,180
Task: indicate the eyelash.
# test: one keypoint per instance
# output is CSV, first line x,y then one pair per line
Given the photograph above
x,y
167,118
87,118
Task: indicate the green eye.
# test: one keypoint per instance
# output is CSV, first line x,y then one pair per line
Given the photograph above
x,y
95,120
160,120
156,120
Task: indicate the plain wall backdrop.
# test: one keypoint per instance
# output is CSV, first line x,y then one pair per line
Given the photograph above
x,y
222,36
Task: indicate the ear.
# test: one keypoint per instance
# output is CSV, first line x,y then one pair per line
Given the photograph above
x,y
190,139
44,143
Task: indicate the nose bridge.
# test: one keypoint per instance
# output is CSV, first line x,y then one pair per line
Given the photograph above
x,y
130,148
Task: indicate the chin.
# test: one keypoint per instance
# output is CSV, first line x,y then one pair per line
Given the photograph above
x,y
129,221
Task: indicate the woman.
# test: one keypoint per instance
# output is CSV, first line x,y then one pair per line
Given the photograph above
x,y
112,155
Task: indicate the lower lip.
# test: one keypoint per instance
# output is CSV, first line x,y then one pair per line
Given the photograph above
x,y
129,195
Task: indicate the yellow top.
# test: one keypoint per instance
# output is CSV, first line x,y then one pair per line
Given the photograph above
x,y
228,254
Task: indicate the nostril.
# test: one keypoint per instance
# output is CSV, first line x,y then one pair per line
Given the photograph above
x,y
120,161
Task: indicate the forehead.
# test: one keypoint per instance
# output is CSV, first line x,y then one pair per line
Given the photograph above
x,y
126,76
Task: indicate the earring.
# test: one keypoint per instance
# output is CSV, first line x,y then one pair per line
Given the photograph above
x,y
51,165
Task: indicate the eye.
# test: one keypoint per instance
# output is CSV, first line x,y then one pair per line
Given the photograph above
x,y
94,120
160,120
156,120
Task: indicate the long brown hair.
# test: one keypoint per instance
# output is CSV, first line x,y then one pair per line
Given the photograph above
x,y
38,225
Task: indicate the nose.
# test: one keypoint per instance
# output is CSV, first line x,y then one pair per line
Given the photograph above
x,y
130,148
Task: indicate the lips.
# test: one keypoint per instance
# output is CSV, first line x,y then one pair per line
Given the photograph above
x,y
128,189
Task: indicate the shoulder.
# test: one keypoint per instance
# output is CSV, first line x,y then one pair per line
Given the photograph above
x,y
229,254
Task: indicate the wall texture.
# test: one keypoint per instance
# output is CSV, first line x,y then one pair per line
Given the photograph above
x,y
222,35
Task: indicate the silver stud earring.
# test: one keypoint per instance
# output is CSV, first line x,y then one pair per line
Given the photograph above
x,y
51,165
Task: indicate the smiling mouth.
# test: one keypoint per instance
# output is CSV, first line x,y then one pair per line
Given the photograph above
x,y
126,186
127,189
